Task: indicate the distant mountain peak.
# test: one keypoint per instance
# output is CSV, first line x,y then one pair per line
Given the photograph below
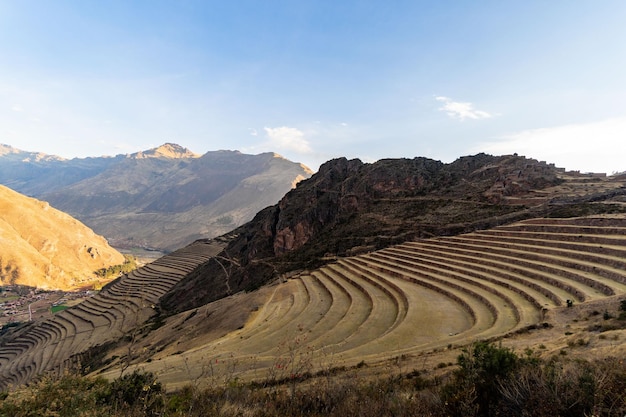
x,y
306,169
167,150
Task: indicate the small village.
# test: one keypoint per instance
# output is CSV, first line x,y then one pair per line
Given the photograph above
x,y
20,304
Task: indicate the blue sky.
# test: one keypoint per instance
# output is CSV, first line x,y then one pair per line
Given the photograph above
x,y
314,80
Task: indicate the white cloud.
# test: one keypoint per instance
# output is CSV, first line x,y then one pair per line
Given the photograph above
x,y
17,108
288,138
311,143
588,147
461,111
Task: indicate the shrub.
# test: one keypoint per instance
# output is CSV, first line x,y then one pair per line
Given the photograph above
x,y
130,264
136,389
490,381
562,387
474,388
70,395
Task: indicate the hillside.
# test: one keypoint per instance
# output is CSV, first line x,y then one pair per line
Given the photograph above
x,y
407,261
162,198
350,207
46,248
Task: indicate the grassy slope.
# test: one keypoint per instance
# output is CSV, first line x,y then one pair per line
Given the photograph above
x,y
43,247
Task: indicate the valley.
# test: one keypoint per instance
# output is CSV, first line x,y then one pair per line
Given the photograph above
x,y
312,208
45,248
116,310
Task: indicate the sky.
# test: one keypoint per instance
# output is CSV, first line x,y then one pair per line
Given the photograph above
x,y
316,80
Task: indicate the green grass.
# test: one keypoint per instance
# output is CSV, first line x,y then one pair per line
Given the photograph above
x,y
56,309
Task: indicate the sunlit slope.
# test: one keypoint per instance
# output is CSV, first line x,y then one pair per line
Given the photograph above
x,y
44,247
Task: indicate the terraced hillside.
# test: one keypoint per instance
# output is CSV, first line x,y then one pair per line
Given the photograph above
x,y
407,299
127,302
402,300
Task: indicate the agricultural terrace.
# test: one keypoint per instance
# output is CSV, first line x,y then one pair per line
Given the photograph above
x,y
51,344
407,299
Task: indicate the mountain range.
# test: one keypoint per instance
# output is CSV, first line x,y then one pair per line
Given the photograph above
x,y
162,198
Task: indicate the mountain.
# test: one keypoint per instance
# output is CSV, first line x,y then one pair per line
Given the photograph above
x,y
43,247
162,198
350,207
168,150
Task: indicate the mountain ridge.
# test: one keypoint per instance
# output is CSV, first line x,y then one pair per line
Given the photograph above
x,y
25,156
167,150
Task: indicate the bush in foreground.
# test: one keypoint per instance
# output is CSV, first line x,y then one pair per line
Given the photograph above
x,y
488,381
